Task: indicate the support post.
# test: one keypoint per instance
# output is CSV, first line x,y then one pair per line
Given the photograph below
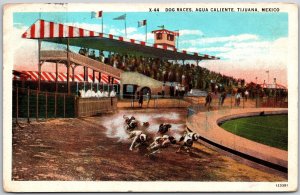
x,y
56,76
39,63
55,100
84,73
28,105
64,105
87,74
93,76
68,67
108,79
46,105
99,77
112,80
73,73
37,105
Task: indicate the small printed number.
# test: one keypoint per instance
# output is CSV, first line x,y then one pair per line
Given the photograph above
x,y
153,9
281,185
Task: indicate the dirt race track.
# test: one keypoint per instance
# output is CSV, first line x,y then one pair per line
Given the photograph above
x,y
96,149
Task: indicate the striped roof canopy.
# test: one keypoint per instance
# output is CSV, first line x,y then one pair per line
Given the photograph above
x,y
59,33
62,77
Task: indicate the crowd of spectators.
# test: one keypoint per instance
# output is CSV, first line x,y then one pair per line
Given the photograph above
x,y
99,94
188,75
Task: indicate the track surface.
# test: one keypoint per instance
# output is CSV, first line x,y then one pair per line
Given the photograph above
x,y
96,148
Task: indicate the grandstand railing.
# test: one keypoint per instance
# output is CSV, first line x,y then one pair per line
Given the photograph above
x,y
231,103
155,101
93,106
51,55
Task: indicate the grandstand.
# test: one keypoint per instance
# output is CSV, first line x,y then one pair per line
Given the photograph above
x,y
52,32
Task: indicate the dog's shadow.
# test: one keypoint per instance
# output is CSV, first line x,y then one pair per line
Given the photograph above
x,y
197,153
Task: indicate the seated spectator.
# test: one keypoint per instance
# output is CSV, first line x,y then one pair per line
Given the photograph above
x,y
82,93
88,93
92,54
112,93
93,94
100,93
105,94
101,57
85,51
81,51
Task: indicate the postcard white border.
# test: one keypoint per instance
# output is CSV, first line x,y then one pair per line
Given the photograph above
x,y
122,186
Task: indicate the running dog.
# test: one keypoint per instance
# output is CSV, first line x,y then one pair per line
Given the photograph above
x,y
164,128
188,139
161,142
138,138
130,123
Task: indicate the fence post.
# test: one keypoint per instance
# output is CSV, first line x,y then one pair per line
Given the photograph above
x,y
243,102
46,105
55,99
256,102
37,105
28,105
64,105
76,106
231,101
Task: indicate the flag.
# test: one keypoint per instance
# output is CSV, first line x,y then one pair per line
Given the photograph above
x,y
142,23
122,17
162,26
97,14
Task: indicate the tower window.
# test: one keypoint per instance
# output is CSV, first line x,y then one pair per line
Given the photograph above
x,y
158,36
170,37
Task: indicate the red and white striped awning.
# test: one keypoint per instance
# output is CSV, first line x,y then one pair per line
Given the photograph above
x,y
42,29
54,32
62,77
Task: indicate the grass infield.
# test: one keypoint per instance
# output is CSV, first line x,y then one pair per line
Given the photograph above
x,y
270,130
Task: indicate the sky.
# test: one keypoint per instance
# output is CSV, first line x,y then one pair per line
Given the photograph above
x,y
249,44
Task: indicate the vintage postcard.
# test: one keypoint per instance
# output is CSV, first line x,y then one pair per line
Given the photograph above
x,y
182,97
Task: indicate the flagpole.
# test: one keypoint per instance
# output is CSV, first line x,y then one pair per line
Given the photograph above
x,y
125,27
177,39
146,32
102,23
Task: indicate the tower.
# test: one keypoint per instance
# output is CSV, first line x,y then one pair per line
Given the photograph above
x,y
164,38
